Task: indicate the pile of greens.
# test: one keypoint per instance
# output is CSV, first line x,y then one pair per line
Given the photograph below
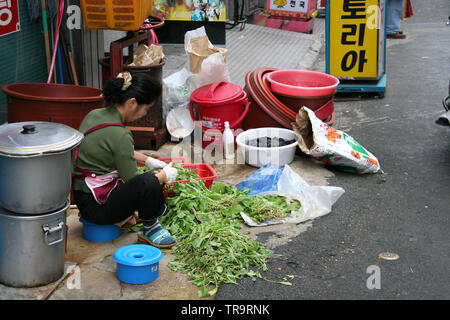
x,y
206,223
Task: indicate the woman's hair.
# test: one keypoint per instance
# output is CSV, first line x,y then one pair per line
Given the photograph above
x,y
143,88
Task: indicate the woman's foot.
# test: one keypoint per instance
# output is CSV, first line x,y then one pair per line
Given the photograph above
x,y
397,35
161,239
154,234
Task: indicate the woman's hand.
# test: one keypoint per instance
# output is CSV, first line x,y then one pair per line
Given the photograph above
x,y
153,163
167,174
171,173
149,162
161,176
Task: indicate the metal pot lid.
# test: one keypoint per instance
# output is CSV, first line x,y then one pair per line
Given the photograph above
x,y
21,139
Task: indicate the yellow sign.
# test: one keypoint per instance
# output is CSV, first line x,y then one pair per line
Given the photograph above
x,y
190,10
356,39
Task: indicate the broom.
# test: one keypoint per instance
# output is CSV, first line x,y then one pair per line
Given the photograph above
x,y
60,15
46,39
45,9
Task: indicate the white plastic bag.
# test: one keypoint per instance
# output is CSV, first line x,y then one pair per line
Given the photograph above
x,y
316,201
334,147
177,92
214,68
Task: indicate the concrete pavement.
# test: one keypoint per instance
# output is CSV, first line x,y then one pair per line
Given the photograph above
x,y
406,210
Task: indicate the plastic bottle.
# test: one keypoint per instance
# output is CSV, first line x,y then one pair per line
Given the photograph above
x,y
228,141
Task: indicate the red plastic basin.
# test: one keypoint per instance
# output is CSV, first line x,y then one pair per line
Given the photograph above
x,y
61,103
302,83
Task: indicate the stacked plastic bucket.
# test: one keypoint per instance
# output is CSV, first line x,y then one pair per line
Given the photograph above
x,y
276,96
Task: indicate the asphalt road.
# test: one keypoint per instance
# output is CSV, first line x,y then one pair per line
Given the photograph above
x,y
405,211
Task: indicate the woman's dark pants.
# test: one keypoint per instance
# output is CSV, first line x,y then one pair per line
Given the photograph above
x,y
142,193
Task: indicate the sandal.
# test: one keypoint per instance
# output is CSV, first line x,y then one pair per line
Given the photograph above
x,y
159,239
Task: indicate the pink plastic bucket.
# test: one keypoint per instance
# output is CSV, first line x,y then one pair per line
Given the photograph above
x,y
302,83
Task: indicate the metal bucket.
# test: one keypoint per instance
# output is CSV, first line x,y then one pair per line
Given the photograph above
x,y
32,248
35,166
35,185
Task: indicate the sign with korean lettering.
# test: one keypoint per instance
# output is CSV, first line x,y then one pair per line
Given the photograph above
x,y
9,17
289,5
356,39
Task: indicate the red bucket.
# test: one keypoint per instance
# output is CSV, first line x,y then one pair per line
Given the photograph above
x,y
217,103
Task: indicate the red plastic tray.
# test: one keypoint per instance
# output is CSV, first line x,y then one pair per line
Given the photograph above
x,y
204,170
174,160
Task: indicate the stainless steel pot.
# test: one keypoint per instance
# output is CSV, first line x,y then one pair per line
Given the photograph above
x,y
32,248
35,166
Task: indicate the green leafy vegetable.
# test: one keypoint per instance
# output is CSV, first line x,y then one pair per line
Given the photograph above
x,y
206,224
183,173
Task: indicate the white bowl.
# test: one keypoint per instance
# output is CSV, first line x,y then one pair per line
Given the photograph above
x,y
258,156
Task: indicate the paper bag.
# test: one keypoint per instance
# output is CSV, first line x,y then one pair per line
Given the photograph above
x,y
200,48
147,55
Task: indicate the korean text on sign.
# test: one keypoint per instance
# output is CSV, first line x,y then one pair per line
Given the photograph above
x,y
289,5
354,36
9,17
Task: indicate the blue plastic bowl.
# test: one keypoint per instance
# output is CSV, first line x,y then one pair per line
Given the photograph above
x,y
99,233
137,263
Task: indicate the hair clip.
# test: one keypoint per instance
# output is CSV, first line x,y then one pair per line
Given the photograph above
x,y
126,76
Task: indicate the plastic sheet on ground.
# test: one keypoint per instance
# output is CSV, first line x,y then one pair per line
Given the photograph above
x,y
316,201
264,179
